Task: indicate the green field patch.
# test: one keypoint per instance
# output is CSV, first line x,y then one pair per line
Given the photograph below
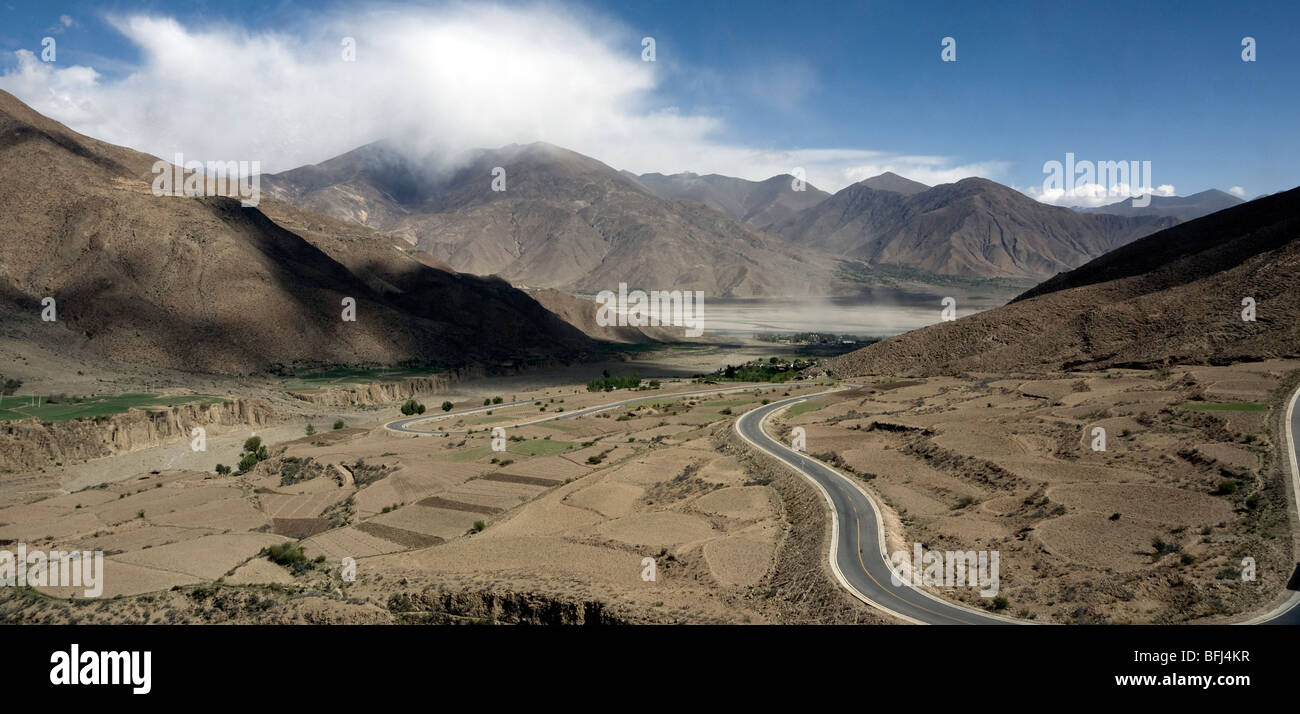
x,y
68,408
1225,407
804,407
469,454
539,447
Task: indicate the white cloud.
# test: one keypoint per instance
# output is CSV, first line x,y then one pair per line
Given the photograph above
x,y
439,81
65,21
1092,195
1237,191
931,170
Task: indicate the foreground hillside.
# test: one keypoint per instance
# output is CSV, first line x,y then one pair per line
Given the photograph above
x,y
205,284
1175,296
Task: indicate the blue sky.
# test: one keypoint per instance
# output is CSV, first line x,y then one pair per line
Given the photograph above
x,y
746,88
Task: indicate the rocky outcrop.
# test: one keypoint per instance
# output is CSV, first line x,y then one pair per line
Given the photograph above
x,y
29,444
387,392
504,607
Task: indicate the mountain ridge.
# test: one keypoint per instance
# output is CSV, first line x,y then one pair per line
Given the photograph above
x,y
1172,297
1184,208
973,227
205,284
570,222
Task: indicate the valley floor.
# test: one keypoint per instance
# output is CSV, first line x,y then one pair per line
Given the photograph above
x,y
1151,526
653,513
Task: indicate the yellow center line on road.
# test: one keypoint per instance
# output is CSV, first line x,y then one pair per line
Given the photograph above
x,y
858,524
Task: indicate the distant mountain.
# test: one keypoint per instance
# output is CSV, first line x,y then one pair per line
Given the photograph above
x,y
890,181
1184,208
972,228
1172,297
563,221
203,284
754,203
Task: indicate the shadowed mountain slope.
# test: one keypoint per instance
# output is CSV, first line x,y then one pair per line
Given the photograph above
x,y
1175,296
563,221
205,284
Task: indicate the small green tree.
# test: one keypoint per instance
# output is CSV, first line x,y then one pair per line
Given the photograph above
x,y
248,462
446,406
252,444
310,430
339,424
223,470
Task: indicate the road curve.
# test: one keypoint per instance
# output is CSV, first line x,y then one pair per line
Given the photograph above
x,y
404,425
1288,613
858,556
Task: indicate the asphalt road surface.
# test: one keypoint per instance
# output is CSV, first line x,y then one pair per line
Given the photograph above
x,y
857,553
858,558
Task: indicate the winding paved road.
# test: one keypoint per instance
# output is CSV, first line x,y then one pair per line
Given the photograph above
x,y
1288,613
858,556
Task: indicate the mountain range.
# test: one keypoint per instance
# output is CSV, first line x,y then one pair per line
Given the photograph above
x,y
205,284
1180,295
562,220
1184,208
972,228
758,204
570,222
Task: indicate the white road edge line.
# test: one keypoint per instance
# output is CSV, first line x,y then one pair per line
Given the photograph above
x,y
1294,600
880,529
835,520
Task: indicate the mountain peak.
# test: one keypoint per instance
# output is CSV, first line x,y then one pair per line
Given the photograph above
x,y
1183,208
890,181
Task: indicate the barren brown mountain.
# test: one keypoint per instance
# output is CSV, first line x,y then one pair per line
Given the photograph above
x,y
755,203
973,228
1184,208
563,221
205,284
890,181
1176,296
